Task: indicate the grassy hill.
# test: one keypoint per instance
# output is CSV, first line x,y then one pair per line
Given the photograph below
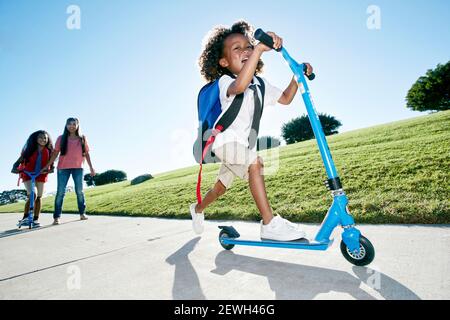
x,y
393,173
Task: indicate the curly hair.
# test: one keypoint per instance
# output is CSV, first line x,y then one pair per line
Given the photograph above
x,y
210,68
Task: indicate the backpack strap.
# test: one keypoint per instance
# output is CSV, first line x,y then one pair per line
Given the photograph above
x,y
263,89
257,114
232,112
209,142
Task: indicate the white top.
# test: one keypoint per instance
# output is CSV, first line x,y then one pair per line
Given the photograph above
x,y
239,130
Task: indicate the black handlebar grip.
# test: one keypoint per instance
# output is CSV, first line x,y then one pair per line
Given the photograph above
x,y
265,38
260,35
312,76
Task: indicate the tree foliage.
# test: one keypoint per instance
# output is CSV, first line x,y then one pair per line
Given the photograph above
x,y
432,91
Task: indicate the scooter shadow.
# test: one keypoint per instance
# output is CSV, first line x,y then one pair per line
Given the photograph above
x,y
293,281
25,229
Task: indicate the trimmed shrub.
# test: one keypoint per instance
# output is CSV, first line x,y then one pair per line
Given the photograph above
x,y
141,179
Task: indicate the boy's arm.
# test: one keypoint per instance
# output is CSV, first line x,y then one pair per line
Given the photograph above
x,y
248,71
289,94
246,75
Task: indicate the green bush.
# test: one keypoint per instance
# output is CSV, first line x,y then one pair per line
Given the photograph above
x,y
299,129
141,178
110,176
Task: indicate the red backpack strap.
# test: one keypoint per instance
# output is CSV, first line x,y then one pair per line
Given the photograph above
x,y
209,142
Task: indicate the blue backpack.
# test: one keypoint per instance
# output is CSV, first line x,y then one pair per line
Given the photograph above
x,y
209,110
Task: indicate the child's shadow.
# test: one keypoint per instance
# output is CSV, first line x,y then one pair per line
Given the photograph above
x,y
294,281
186,284
25,229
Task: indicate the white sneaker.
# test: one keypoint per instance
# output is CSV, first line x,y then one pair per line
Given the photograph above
x,y
197,220
280,229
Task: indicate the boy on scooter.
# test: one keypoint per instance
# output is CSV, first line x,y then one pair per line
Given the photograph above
x,y
231,56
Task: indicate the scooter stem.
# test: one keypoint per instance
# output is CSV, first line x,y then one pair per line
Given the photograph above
x,y
297,69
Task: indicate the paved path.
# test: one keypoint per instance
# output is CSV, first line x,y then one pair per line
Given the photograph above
x,y
149,258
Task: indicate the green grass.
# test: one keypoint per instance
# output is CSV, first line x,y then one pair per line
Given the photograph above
x,y
392,173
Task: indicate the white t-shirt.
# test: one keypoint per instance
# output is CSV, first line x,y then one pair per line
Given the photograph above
x,y
239,130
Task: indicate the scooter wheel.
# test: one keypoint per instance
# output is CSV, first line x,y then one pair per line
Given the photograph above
x,y
224,234
364,257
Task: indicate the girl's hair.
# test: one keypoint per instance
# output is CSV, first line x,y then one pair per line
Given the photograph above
x,y
213,50
66,134
32,144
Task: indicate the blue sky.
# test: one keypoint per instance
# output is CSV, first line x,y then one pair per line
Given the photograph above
x,y
130,73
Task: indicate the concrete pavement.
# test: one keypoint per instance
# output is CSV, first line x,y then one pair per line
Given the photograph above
x,y
150,258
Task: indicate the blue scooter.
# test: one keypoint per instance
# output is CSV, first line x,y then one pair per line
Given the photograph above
x,y
29,222
355,248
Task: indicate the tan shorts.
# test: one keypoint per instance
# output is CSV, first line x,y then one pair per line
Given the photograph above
x,y
236,160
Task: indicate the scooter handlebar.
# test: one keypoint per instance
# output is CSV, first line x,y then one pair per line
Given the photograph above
x,y
263,37
35,174
312,76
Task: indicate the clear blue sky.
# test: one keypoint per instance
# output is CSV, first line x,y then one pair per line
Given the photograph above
x,y
130,73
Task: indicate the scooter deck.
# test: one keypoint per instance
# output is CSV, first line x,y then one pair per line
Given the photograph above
x,y
21,224
302,244
298,244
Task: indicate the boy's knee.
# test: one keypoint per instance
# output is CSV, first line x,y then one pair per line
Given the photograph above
x,y
260,161
219,189
257,164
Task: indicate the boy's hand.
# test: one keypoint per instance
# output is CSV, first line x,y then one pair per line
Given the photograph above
x,y
277,42
309,68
